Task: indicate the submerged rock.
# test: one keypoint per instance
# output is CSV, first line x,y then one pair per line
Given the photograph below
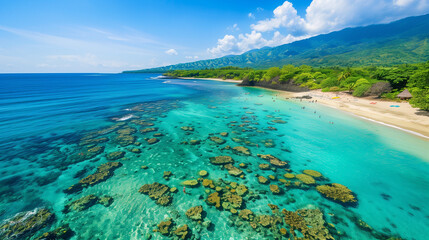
x,y
152,140
115,155
93,141
263,180
195,213
217,140
221,160
24,224
273,160
240,150
81,204
186,128
157,191
278,121
125,140
105,200
312,173
191,183
126,131
231,200
289,175
208,183
164,200
265,220
337,192
194,142
242,165
183,232
246,215
64,232
85,155
241,190
234,171
165,227
146,130
135,150
307,179
203,173
104,172
264,166
214,199
275,189
167,175
314,224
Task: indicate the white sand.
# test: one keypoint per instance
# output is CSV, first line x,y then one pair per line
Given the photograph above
x,y
404,116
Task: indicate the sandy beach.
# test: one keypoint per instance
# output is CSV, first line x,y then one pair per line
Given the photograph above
x,y
405,116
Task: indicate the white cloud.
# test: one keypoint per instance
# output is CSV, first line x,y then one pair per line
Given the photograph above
x,y
172,52
233,28
251,15
227,44
248,41
284,16
192,57
322,16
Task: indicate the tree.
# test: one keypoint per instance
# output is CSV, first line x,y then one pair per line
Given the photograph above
x,y
344,76
379,88
420,98
272,73
420,79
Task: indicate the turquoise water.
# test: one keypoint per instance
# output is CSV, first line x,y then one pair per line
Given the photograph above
x,y
43,118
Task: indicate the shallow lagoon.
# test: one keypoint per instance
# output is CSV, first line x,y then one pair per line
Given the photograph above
x,y
43,126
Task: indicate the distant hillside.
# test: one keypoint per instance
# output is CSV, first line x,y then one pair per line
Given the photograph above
x,y
403,41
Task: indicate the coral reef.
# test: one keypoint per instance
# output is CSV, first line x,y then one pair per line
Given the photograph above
x,y
337,192
313,173
217,140
221,160
190,183
104,172
63,232
195,213
309,180
157,191
263,180
273,160
115,155
275,189
240,150
24,224
214,199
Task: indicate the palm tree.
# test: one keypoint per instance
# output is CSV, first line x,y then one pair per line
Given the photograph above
x,y
344,76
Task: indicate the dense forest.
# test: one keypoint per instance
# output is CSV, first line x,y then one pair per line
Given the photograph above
x,y
383,82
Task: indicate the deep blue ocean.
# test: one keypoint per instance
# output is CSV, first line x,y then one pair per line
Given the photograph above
x,y
56,129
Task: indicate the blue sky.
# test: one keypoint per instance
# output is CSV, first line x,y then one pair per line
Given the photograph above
x,y
111,36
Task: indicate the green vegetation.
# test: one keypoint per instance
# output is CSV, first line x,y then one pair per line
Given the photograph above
x,y
385,82
402,42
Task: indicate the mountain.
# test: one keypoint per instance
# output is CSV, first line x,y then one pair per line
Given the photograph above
x,y
399,42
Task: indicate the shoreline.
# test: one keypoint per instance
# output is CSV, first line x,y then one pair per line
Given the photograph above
x,y
403,118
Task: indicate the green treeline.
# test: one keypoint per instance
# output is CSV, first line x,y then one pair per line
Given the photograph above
x,y
385,82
